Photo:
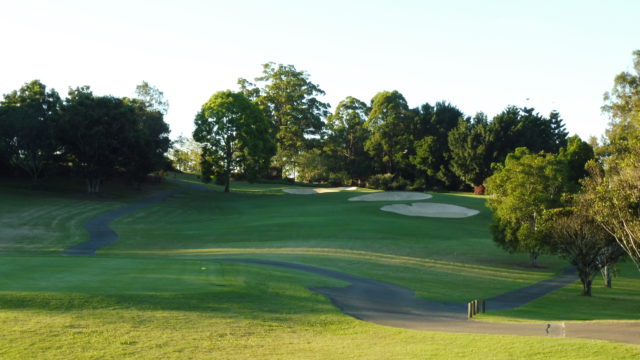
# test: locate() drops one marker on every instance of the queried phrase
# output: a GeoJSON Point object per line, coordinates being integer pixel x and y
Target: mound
{"type": "Point", "coordinates": [318, 190]}
{"type": "Point", "coordinates": [438, 210]}
{"type": "Point", "coordinates": [391, 196]}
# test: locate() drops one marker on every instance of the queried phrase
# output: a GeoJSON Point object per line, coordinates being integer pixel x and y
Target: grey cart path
{"type": "Point", "coordinates": [101, 234]}
{"type": "Point", "coordinates": [392, 305]}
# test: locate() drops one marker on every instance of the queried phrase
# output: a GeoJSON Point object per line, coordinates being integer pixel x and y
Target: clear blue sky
{"type": "Point", "coordinates": [478, 55]}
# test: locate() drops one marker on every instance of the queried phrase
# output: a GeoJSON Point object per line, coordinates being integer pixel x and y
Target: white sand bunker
{"type": "Point", "coordinates": [318, 190]}
{"type": "Point", "coordinates": [391, 196]}
{"type": "Point", "coordinates": [438, 210]}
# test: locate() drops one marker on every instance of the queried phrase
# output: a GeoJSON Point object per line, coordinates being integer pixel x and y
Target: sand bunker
{"type": "Point", "coordinates": [318, 190]}
{"type": "Point", "coordinates": [430, 210]}
{"type": "Point", "coordinates": [391, 196]}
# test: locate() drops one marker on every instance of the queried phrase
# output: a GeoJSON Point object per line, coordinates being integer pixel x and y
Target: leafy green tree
{"type": "Point", "coordinates": [347, 135]}
{"type": "Point", "coordinates": [390, 126]}
{"type": "Point", "coordinates": [514, 127]}
{"type": "Point", "coordinates": [558, 132]}
{"type": "Point", "coordinates": [577, 237]}
{"type": "Point", "coordinates": [91, 131]}
{"type": "Point", "coordinates": [314, 166]}
{"type": "Point", "coordinates": [235, 135]}
{"type": "Point", "coordinates": [522, 190]}
{"type": "Point", "coordinates": [146, 143]}
{"type": "Point", "coordinates": [432, 144]}
{"type": "Point", "coordinates": [185, 155]}
{"type": "Point", "coordinates": [290, 100]}
{"type": "Point", "coordinates": [577, 153]}
{"type": "Point", "coordinates": [30, 116]}
{"type": "Point", "coordinates": [152, 97]}
{"type": "Point", "coordinates": [469, 144]}
{"type": "Point", "coordinates": [613, 191]}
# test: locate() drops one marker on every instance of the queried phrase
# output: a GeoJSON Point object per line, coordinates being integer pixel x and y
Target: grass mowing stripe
{"type": "Point", "coordinates": [172, 309]}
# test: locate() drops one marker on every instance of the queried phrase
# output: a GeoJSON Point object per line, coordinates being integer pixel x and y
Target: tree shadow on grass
{"type": "Point", "coordinates": [226, 302]}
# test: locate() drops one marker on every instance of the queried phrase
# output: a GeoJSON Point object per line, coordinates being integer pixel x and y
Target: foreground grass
{"type": "Point", "coordinates": [111, 308]}
{"type": "Point", "coordinates": [160, 293]}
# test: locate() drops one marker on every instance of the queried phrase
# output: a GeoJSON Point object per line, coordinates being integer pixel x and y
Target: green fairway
{"type": "Point", "coordinates": [52, 219]}
{"type": "Point", "coordinates": [159, 292]}
{"type": "Point", "coordinates": [110, 308]}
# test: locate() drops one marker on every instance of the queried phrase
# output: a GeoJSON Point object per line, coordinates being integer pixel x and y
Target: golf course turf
{"type": "Point", "coordinates": [156, 293]}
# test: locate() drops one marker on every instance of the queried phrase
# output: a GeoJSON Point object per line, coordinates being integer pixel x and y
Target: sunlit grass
{"type": "Point", "coordinates": [112, 308]}
{"type": "Point", "coordinates": [160, 292]}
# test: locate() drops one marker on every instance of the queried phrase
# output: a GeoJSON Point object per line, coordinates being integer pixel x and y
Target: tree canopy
{"type": "Point", "coordinates": [96, 136]}
{"type": "Point", "coordinates": [613, 190]}
{"type": "Point", "coordinates": [289, 99]}
{"type": "Point", "coordinates": [236, 135]}
{"type": "Point", "coordinates": [522, 190]}
{"type": "Point", "coordinates": [29, 119]}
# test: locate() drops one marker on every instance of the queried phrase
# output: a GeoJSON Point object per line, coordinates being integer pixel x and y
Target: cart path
{"type": "Point", "coordinates": [101, 234]}
{"type": "Point", "coordinates": [392, 305]}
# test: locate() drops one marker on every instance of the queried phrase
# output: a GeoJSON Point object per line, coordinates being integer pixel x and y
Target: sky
{"type": "Point", "coordinates": [477, 55]}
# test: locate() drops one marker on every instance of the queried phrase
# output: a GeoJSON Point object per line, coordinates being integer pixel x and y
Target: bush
{"type": "Point", "coordinates": [418, 185]}
{"type": "Point", "coordinates": [399, 184]}
{"type": "Point", "coordinates": [338, 178]}
{"type": "Point", "coordinates": [380, 181]}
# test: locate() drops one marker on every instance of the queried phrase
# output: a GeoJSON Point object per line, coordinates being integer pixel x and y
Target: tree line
{"type": "Point", "coordinates": [581, 203]}
{"type": "Point", "coordinates": [382, 144]}
{"type": "Point", "coordinates": [83, 135]}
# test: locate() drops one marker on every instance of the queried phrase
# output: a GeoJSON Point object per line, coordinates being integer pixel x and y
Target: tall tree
{"type": "Point", "coordinates": [185, 155]}
{"type": "Point", "coordinates": [522, 190]}
{"type": "Point", "coordinates": [152, 97]}
{"type": "Point", "coordinates": [577, 153]}
{"type": "Point", "coordinates": [577, 237]}
{"type": "Point", "coordinates": [235, 134]}
{"type": "Point", "coordinates": [390, 125]}
{"type": "Point", "coordinates": [346, 138]}
{"type": "Point", "coordinates": [523, 127]}
{"type": "Point", "coordinates": [614, 190]}
{"type": "Point", "coordinates": [469, 145]}
{"type": "Point", "coordinates": [146, 142]}
{"type": "Point", "coordinates": [290, 100]}
{"type": "Point", "coordinates": [92, 129]}
{"type": "Point", "coordinates": [432, 153]}
{"type": "Point", "coordinates": [30, 117]}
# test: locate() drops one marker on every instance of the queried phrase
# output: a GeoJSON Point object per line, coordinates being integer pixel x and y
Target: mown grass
{"type": "Point", "coordinates": [441, 259]}
{"type": "Point", "coordinates": [113, 308]}
{"type": "Point", "coordinates": [50, 218]}
{"type": "Point", "coordinates": [160, 293]}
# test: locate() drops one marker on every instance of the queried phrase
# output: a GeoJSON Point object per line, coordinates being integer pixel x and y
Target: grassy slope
{"type": "Point", "coordinates": [171, 307]}
{"type": "Point", "coordinates": [51, 219]}
{"type": "Point", "coordinates": [112, 308]}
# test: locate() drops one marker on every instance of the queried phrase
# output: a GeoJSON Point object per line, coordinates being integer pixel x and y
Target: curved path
{"type": "Point", "coordinates": [101, 235]}
{"type": "Point", "coordinates": [392, 305]}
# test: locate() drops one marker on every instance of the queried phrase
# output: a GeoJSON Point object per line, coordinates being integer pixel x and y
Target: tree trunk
{"type": "Point", "coordinates": [586, 281]}
{"type": "Point", "coordinates": [93, 186]}
{"type": "Point", "coordinates": [227, 166]}
{"type": "Point", "coordinates": [607, 276]}
{"type": "Point", "coordinates": [534, 259]}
